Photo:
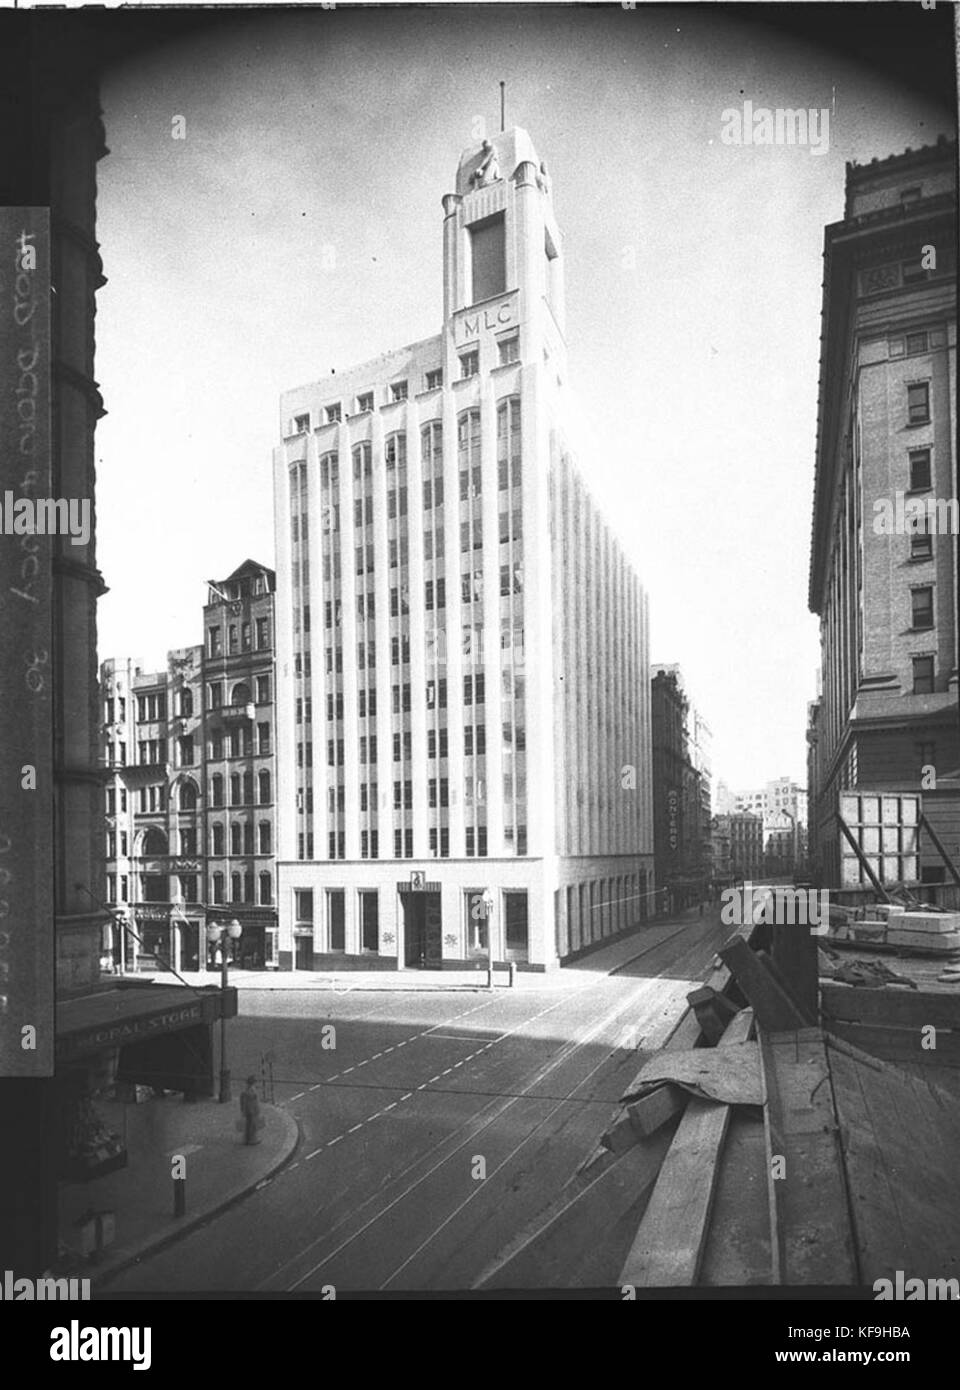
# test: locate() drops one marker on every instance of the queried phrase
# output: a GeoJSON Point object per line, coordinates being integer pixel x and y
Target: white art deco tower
{"type": "Point", "coordinates": [462, 667]}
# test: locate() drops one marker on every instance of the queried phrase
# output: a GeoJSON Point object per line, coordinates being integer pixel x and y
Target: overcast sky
{"type": "Point", "coordinates": [298, 226]}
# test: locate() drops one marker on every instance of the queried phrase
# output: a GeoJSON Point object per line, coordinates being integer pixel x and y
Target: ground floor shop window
{"type": "Point", "coordinates": [515, 925]}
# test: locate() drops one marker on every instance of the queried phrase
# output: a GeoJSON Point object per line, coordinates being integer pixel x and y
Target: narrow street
{"type": "Point", "coordinates": [438, 1126]}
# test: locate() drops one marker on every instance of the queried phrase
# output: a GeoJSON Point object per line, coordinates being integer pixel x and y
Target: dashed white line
{"type": "Point", "coordinates": [363, 1063]}
{"type": "Point", "coordinates": [348, 1071]}
{"type": "Point", "coordinates": [298, 1095]}
{"type": "Point", "coordinates": [391, 1106]}
{"type": "Point", "coordinates": [331, 1142]}
{"type": "Point", "coordinates": [407, 1096]}
{"type": "Point", "coordinates": [354, 1128]}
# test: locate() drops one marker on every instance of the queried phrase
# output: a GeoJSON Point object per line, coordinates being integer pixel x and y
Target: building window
{"type": "Point", "coordinates": [508, 349]}
{"type": "Point", "coordinates": [369, 920]}
{"type": "Point", "coordinates": [398, 391]}
{"type": "Point", "coordinates": [216, 790]}
{"type": "Point", "coordinates": [469, 364]}
{"type": "Point", "coordinates": [922, 607]}
{"type": "Point", "coordinates": [365, 402]}
{"type": "Point", "coordinates": [218, 888]}
{"type": "Point", "coordinates": [334, 414]}
{"type": "Point", "coordinates": [923, 675]}
{"type": "Point", "coordinates": [916, 342]}
{"type": "Point", "coordinates": [263, 690]}
{"type": "Point", "coordinates": [435, 379]}
{"type": "Point", "coordinates": [301, 423]}
{"type": "Point", "coordinates": [515, 925]}
{"type": "Point", "coordinates": [920, 477]}
{"type": "Point", "coordinates": [488, 258]}
{"type": "Point", "coordinates": [263, 780]}
{"type": "Point", "coordinates": [217, 843]}
{"type": "Point", "coordinates": [921, 545]}
{"type": "Point", "coordinates": [186, 750]}
{"type": "Point", "coordinates": [918, 403]}
{"type": "Point", "coordinates": [910, 195]}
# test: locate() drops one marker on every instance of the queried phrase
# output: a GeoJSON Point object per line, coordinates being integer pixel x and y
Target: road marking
{"type": "Point", "coordinates": [473, 1129]}
{"type": "Point", "coordinates": [375, 1056]}
{"type": "Point", "coordinates": [363, 1063]}
{"type": "Point", "coordinates": [447, 1072]}
{"type": "Point", "coordinates": [297, 1096]}
{"type": "Point", "coordinates": [353, 1128]}
{"type": "Point", "coordinates": [318, 1085]}
{"type": "Point", "coordinates": [348, 1071]}
{"type": "Point", "coordinates": [185, 1149]}
{"type": "Point", "coordinates": [331, 1142]}
{"type": "Point", "coordinates": [407, 1096]}
{"type": "Point", "coordinates": [388, 1107]}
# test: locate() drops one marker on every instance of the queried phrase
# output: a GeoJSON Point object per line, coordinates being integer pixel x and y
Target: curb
{"type": "Point", "coordinates": [102, 1274]}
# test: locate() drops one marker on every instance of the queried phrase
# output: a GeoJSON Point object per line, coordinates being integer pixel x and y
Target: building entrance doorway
{"type": "Point", "coordinates": [304, 953]}
{"type": "Point", "coordinates": [423, 949]}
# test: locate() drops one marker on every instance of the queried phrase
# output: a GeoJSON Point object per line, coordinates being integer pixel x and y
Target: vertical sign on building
{"type": "Point", "coordinates": [26, 653]}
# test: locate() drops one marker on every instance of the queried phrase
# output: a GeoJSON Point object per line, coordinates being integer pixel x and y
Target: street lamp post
{"type": "Point", "coordinates": [222, 933]}
{"type": "Point", "coordinates": [488, 914]}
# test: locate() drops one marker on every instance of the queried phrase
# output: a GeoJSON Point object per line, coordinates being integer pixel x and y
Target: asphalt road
{"type": "Point", "coordinates": [435, 1129]}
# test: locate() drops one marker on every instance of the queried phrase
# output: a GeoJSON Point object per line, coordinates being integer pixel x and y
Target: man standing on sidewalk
{"type": "Point", "coordinates": [250, 1110]}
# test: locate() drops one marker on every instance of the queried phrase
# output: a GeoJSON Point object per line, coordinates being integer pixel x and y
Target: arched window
{"type": "Point", "coordinates": [235, 888]}
{"type": "Point", "coordinates": [235, 789]}
{"type": "Point", "coordinates": [154, 842]}
{"type": "Point", "coordinates": [216, 789]}
{"type": "Point", "coordinates": [248, 789]}
{"type": "Point", "coordinates": [241, 694]}
{"type": "Point", "coordinates": [248, 888]}
{"type": "Point", "coordinates": [188, 796]}
{"type": "Point", "coordinates": [218, 887]}
{"type": "Point", "coordinates": [265, 889]}
{"type": "Point", "coordinates": [264, 779]}
{"type": "Point", "coordinates": [186, 702]}
{"type": "Point", "coordinates": [265, 837]}
{"type": "Point", "coordinates": [217, 842]}
{"type": "Point", "coordinates": [236, 842]}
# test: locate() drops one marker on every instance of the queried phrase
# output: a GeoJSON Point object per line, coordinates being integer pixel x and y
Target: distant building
{"type": "Point", "coordinates": [681, 789]}
{"type": "Point", "coordinates": [885, 589]}
{"type": "Point", "coordinates": [464, 628]}
{"type": "Point", "coordinates": [743, 831]}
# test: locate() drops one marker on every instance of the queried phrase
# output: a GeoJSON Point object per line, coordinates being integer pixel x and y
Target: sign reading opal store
{"type": "Point", "coordinates": [488, 319]}
{"type": "Point", "coordinates": [120, 1031]}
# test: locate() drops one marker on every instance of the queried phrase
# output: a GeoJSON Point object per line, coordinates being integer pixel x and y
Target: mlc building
{"type": "Point", "coordinates": [463, 706]}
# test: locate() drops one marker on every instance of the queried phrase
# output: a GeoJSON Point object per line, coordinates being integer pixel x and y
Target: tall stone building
{"type": "Point", "coordinates": [463, 686]}
{"type": "Point", "coordinates": [885, 587]}
{"type": "Point", "coordinates": [189, 753]}
{"type": "Point", "coordinates": [681, 790]}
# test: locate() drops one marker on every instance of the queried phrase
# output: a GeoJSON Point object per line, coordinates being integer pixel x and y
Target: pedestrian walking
{"type": "Point", "coordinates": [252, 1121]}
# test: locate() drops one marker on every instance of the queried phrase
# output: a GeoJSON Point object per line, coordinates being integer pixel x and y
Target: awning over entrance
{"type": "Point", "coordinates": [121, 1014]}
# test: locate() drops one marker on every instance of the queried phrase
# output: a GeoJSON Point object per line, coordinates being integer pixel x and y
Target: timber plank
{"type": "Point", "coordinates": [899, 1044]}
{"type": "Point", "coordinates": [668, 1247]}
{"type": "Point", "coordinates": [890, 1006]}
{"type": "Point", "coordinates": [814, 1242]}
{"type": "Point", "coordinates": [775, 1009]}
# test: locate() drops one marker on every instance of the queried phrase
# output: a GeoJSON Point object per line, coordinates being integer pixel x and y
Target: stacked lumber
{"type": "Point", "coordinates": [755, 1147]}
